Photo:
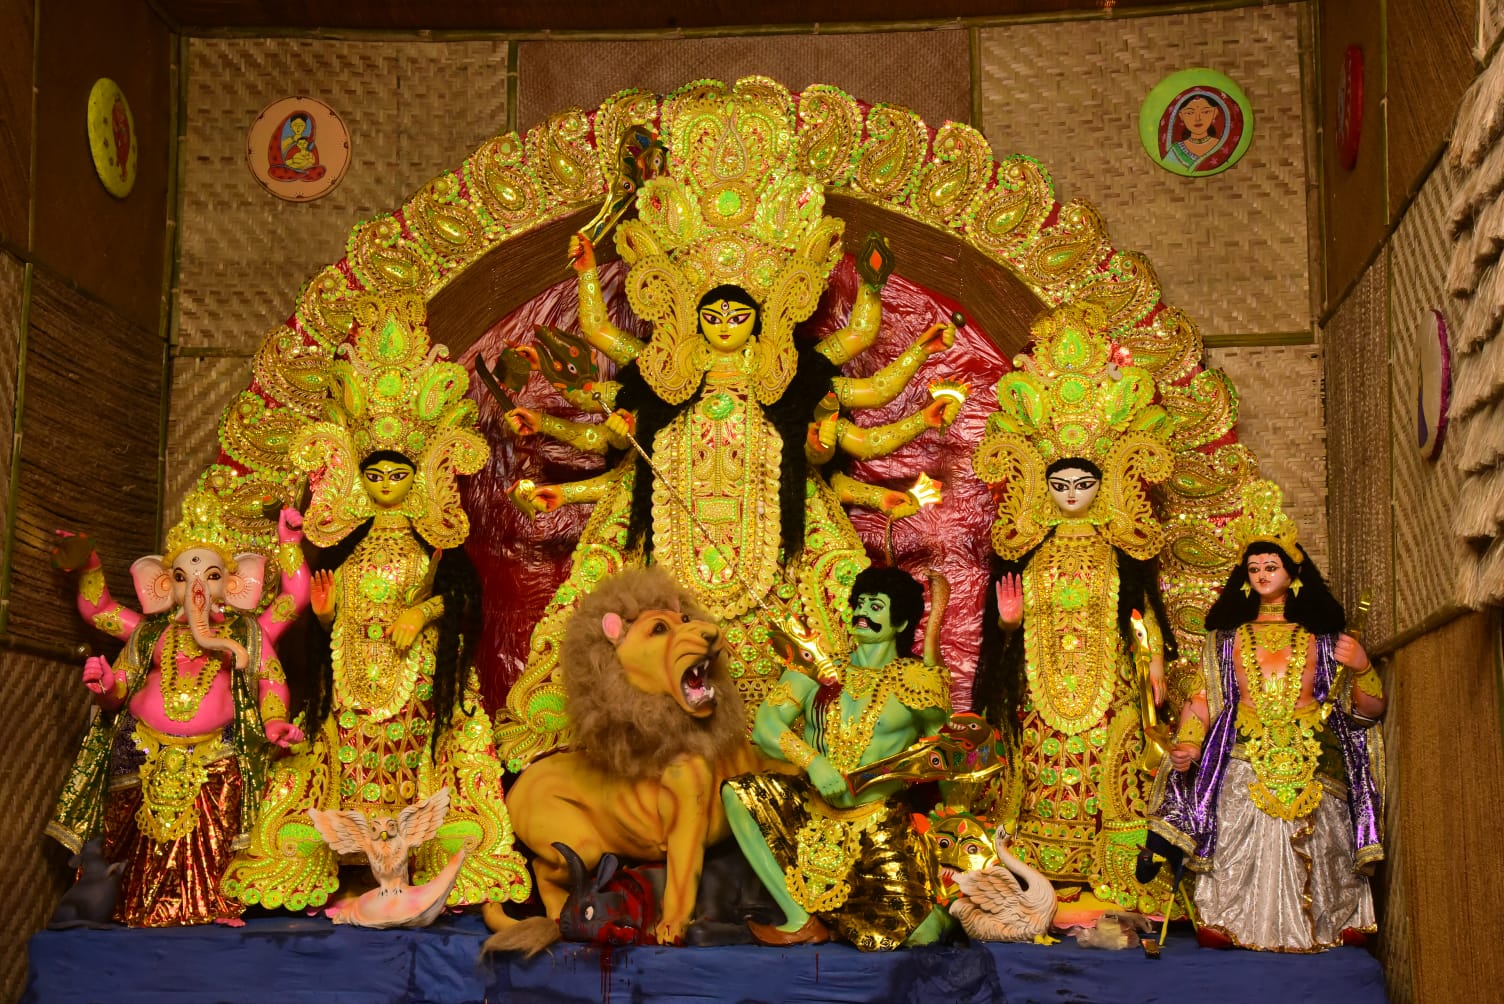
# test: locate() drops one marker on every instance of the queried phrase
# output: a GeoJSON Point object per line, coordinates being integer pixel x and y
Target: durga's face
{"type": "Point", "coordinates": [727, 324]}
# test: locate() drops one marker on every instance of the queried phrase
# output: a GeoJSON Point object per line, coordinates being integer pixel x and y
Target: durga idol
{"type": "Point", "coordinates": [730, 250]}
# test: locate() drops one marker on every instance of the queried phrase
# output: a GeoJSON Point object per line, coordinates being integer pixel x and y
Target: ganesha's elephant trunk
{"type": "Point", "coordinates": [197, 610]}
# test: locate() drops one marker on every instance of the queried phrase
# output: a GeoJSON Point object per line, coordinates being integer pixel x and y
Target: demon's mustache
{"type": "Point", "coordinates": [866, 622]}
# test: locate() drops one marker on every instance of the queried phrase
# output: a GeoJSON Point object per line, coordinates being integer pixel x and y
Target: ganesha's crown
{"type": "Point", "coordinates": [203, 525]}
{"type": "Point", "coordinates": [391, 391]}
{"type": "Point", "coordinates": [1263, 520]}
{"type": "Point", "coordinates": [732, 210]}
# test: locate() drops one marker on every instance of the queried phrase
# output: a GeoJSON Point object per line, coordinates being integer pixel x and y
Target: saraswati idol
{"type": "Point", "coordinates": [397, 713]}
{"type": "Point", "coordinates": [720, 420]}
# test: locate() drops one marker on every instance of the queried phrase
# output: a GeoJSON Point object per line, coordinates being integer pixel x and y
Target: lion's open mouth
{"type": "Point", "coordinates": [698, 691]}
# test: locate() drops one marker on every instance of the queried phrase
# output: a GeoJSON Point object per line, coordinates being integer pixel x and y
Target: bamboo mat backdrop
{"type": "Point", "coordinates": [1231, 249]}
{"type": "Point", "coordinates": [927, 71]}
{"type": "Point", "coordinates": [12, 290]}
{"type": "Point", "coordinates": [1357, 428]}
{"type": "Point", "coordinates": [1425, 494]}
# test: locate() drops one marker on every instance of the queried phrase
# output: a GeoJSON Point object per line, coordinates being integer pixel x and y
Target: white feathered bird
{"type": "Point", "coordinates": [386, 843]}
{"type": "Point", "coordinates": [1008, 901]}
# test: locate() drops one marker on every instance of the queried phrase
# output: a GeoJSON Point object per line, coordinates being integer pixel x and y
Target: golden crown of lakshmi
{"type": "Point", "coordinates": [391, 391]}
{"type": "Point", "coordinates": [1076, 396]}
{"type": "Point", "coordinates": [1263, 521]}
{"type": "Point", "coordinates": [732, 210]}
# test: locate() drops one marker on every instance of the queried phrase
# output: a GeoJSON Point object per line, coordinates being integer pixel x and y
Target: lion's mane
{"type": "Point", "coordinates": [618, 727]}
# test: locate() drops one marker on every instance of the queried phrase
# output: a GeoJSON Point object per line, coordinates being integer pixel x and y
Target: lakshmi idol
{"type": "Point", "coordinates": [396, 713]}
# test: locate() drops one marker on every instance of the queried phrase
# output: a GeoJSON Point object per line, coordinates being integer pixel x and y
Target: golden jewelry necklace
{"type": "Point", "coordinates": [181, 694]}
{"type": "Point", "coordinates": [846, 740]}
{"type": "Point", "coordinates": [1282, 746]}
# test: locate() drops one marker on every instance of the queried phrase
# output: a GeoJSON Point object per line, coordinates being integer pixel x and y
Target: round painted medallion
{"type": "Point", "coordinates": [1433, 383]}
{"type": "Point", "coordinates": [1196, 122]}
{"type": "Point", "coordinates": [112, 137]}
{"type": "Point", "coordinates": [298, 149]}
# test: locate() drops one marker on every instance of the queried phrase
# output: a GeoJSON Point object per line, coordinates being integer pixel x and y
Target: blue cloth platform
{"type": "Point", "coordinates": [300, 960]}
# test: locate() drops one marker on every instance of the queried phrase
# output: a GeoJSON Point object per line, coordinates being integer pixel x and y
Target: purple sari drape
{"type": "Point", "coordinates": [1189, 809]}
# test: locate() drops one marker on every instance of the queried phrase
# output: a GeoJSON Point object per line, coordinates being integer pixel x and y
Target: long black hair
{"type": "Point", "coordinates": [1313, 608]}
{"type": "Point", "coordinates": [790, 416]}
{"type": "Point", "coordinates": [455, 580]}
{"type": "Point", "coordinates": [1000, 687]}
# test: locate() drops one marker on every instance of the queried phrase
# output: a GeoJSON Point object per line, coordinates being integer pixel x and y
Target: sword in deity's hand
{"type": "Point", "coordinates": [1340, 677]}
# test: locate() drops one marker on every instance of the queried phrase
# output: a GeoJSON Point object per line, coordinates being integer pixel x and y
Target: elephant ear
{"type": "Point", "coordinates": [243, 589]}
{"type": "Point", "coordinates": [153, 581]}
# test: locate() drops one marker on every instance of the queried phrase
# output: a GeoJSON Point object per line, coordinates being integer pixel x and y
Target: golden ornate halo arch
{"type": "Point", "coordinates": [882, 157]}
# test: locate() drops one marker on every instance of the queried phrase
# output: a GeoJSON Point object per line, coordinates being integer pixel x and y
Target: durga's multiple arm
{"type": "Point", "coordinates": [595, 321]}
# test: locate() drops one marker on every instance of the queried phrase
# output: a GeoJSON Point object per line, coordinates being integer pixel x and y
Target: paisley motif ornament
{"type": "Point", "coordinates": [1068, 253]}
{"type": "Point", "coordinates": [888, 164]}
{"type": "Point", "coordinates": [256, 435]}
{"type": "Point", "coordinates": [1007, 220]}
{"type": "Point", "coordinates": [1209, 485]}
{"type": "Point", "coordinates": [622, 110]}
{"type": "Point", "coordinates": [950, 182]}
{"type": "Point", "coordinates": [1169, 346]}
{"type": "Point", "coordinates": [292, 372]}
{"type": "Point", "coordinates": [324, 309]}
{"type": "Point", "coordinates": [505, 184]}
{"type": "Point", "coordinates": [1205, 409]}
{"type": "Point", "coordinates": [385, 259]}
{"type": "Point", "coordinates": [561, 155]}
{"type": "Point", "coordinates": [446, 224]}
{"type": "Point", "coordinates": [1127, 290]}
{"type": "Point", "coordinates": [830, 126]}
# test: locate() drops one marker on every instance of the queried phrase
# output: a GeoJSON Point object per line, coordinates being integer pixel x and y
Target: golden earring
{"type": "Point", "coordinates": [1295, 588]}
{"type": "Point", "coordinates": [1247, 589]}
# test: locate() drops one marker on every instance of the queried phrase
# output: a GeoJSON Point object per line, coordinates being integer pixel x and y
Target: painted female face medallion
{"type": "Point", "coordinates": [1196, 122]}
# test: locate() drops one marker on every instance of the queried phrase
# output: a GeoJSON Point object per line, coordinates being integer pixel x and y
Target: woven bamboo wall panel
{"type": "Point", "coordinates": [1359, 519]}
{"type": "Point", "coordinates": [413, 109]}
{"type": "Point", "coordinates": [1429, 65]}
{"type": "Point", "coordinates": [1425, 494]}
{"type": "Point", "coordinates": [1280, 419]}
{"type": "Point", "coordinates": [926, 71]}
{"type": "Point", "coordinates": [16, 27]}
{"type": "Point", "coordinates": [44, 716]}
{"type": "Point", "coordinates": [111, 247]}
{"type": "Point", "coordinates": [1353, 200]}
{"type": "Point", "coordinates": [12, 293]}
{"type": "Point", "coordinates": [89, 443]}
{"type": "Point", "coordinates": [201, 390]}
{"type": "Point", "coordinates": [1231, 250]}
{"type": "Point", "coordinates": [1444, 712]}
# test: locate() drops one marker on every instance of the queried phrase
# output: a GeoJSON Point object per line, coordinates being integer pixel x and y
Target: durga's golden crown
{"type": "Point", "coordinates": [732, 210]}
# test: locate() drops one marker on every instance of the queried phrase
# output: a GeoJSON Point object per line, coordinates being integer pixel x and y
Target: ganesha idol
{"type": "Point", "coordinates": [172, 766]}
